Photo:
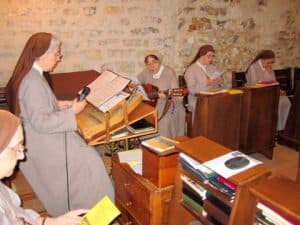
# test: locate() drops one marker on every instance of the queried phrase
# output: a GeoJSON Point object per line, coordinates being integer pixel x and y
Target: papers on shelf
{"type": "Point", "coordinates": [234, 91]}
{"type": "Point", "coordinates": [195, 164]}
{"type": "Point", "coordinates": [140, 126]}
{"type": "Point", "coordinates": [213, 91]}
{"type": "Point", "coordinates": [120, 133]}
{"type": "Point", "coordinates": [263, 84]}
{"type": "Point", "coordinates": [218, 164]}
{"type": "Point", "coordinates": [134, 158]}
{"type": "Point", "coordinates": [103, 213]}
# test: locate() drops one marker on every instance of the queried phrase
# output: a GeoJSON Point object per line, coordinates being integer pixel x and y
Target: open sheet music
{"type": "Point", "coordinates": [105, 87]}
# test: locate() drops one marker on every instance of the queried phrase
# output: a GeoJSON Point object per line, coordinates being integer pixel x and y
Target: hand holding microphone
{"type": "Point", "coordinates": [79, 103]}
{"type": "Point", "coordinates": [83, 94]}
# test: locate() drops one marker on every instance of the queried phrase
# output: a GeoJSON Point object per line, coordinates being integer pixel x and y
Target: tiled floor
{"type": "Point", "coordinates": [284, 162]}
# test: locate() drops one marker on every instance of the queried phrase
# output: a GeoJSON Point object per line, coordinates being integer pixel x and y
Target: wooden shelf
{"type": "Point", "coordinates": [95, 131]}
{"type": "Point", "coordinates": [279, 193]}
{"type": "Point", "coordinates": [202, 150]}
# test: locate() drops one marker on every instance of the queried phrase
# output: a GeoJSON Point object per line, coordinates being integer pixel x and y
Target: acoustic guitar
{"type": "Point", "coordinates": [152, 93]}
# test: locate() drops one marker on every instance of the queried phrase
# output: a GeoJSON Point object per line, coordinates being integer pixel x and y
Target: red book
{"type": "Point", "coordinates": [227, 183]}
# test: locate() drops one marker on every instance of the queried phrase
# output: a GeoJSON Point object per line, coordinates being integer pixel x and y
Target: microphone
{"type": "Point", "coordinates": [83, 94]}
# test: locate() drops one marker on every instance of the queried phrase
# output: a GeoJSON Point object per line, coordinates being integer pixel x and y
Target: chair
{"type": "Point", "coordinates": [284, 77]}
{"type": "Point", "coordinates": [238, 79]}
{"type": "Point", "coordinates": [188, 114]}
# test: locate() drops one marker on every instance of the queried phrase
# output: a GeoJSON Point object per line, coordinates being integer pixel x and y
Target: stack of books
{"type": "Point", "coordinates": [196, 168]}
{"type": "Point", "coordinates": [160, 145]}
{"type": "Point", "coordinates": [270, 216]}
{"type": "Point", "coordinates": [193, 194]}
{"type": "Point", "coordinates": [203, 173]}
{"type": "Point", "coordinates": [217, 211]}
{"type": "Point", "coordinates": [224, 186]}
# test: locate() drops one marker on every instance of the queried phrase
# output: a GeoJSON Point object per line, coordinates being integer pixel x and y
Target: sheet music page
{"type": "Point", "coordinates": [106, 86]}
{"type": "Point", "coordinates": [113, 101]}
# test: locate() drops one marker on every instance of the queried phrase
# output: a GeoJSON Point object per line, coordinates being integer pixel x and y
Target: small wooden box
{"type": "Point", "coordinates": [160, 170]}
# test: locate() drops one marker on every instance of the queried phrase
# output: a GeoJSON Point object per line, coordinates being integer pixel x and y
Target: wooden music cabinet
{"type": "Point", "coordinates": [139, 200]}
{"type": "Point", "coordinates": [280, 194]}
{"type": "Point", "coordinates": [259, 120]}
{"type": "Point", "coordinates": [217, 117]}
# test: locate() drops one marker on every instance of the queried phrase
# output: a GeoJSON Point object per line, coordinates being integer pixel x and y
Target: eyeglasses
{"type": "Point", "coordinates": [152, 62]}
{"type": "Point", "coordinates": [59, 56]}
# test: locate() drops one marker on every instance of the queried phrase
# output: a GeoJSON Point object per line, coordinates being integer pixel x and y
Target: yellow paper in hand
{"type": "Point", "coordinates": [103, 213]}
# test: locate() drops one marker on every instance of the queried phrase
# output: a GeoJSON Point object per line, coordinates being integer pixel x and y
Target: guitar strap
{"type": "Point", "coordinates": [166, 107]}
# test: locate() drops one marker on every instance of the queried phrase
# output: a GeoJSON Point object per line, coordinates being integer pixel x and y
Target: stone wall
{"type": "Point", "coordinates": [116, 34]}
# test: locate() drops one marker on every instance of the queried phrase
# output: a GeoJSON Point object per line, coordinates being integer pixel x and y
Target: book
{"type": "Point", "coordinates": [103, 213]}
{"type": "Point", "coordinates": [222, 188]}
{"type": "Point", "coordinates": [218, 203]}
{"type": "Point", "coordinates": [194, 185]}
{"type": "Point", "coordinates": [160, 145]}
{"type": "Point", "coordinates": [227, 183]}
{"type": "Point", "coordinates": [105, 86]}
{"type": "Point", "coordinates": [262, 219]}
{"type": "Point", "coordinates": [140, 126]}
{"type": "Point", "coordinates": [195, 166]}
{"type": "Point", "coordinates": [216, 212]}
{"type": "Point", "coordinates": [119, 133]}
{"type": "Point", "coordinates": [192, 203]}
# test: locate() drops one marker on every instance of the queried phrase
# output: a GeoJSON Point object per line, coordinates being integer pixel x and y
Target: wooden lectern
{"type": "Point", "coordinates": [96, 127]}
{"type": "Point", "coordinates": [217, 117]}
{"type": "Point", "coordinates": [291, 133]}
{"type": "Point", "coordinates": [259, 119]}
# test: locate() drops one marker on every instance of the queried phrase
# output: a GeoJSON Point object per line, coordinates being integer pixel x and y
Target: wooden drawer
{"type": "Point", "coordinates": [125, 218]}
{"type": "Point", "coordinates": [134, 196]}
{"type": "Point", "coordinates": [140, 201]}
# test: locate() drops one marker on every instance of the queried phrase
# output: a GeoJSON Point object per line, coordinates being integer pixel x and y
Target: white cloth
{"type": "Point", "coordinates": [157, 75]}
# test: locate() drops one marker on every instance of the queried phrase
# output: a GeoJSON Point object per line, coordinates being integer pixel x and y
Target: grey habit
{"type": "Point", "coordinates": [173, 123]}
{"type": "Point", "coordinates": [59, 165]}
{"type": "Point", "coordinates": [196, 78]}
{"type": "Point", "coordinates": [257, 73]}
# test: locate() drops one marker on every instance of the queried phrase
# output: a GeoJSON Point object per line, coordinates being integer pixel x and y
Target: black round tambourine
{"type": "Point", "coordinates": [237, 162]}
